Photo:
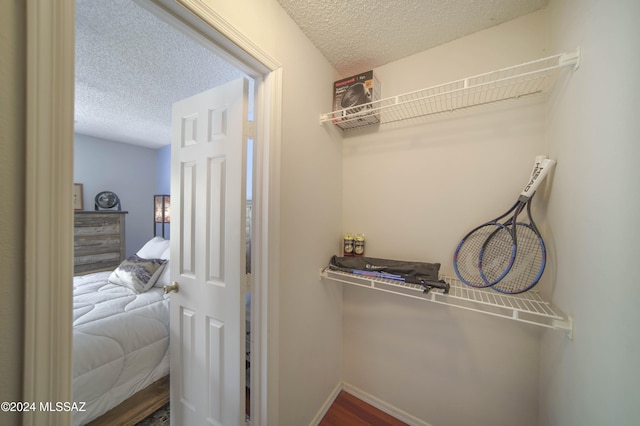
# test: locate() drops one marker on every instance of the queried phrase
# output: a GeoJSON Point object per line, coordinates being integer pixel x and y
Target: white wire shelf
{"type": "Point", "coordinates": [526, 307]}
{"type": "Point", "coordinates": [507, 83]}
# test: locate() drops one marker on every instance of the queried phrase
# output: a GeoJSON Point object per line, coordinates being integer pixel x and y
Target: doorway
{"type": "Point", "coordinates": [51, 42]}
{"type": "Point", "coordinates": [131, 68]}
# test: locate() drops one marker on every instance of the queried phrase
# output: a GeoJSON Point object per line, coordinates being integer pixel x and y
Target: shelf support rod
{"type": "Point", "coordinates": [566, 325]}
{"type": "Point", "coordinates": [572, 58]}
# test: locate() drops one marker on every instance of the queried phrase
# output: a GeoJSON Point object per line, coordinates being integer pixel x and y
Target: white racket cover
{"type": "Point", "coordinates": [540, 170]}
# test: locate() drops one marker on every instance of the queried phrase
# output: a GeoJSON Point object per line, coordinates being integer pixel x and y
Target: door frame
{"type": "Point", "coordinates": [47, 374]}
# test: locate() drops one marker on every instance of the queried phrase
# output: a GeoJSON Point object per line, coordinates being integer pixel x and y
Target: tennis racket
{"type": "Point", "coordinates": [486, 254]}
{"type": "Point", "coordinates": [493, 264]}
{"type": "Point", "coordinates": [530, 260]}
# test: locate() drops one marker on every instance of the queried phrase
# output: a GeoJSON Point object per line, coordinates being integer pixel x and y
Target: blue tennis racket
{"type": "Point", "coordinates": [530, 260]}
{"type": "Point", "coordinates": [488, 252]}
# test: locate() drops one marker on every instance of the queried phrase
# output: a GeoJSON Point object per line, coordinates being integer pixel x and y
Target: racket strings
{"type": "Point", "coordinates": [496, 257]}
{"type": "Point", "coordinates": [528, 263]}
{"type": "Point", "coordinates": [470, 262]}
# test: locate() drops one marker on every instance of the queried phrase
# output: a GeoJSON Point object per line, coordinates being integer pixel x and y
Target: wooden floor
{"type": "Point", "coordinates": [136, 408]}
{"type": "Point", "coordinates": [347, 410]}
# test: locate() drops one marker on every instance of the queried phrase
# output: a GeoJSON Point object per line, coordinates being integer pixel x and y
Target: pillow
{"type": "Point", "coordinates": [165, 277]}
{"type": "Point", "coordinates": [137, 273]}
{"type": "Point", "coordinates": [153, 248]}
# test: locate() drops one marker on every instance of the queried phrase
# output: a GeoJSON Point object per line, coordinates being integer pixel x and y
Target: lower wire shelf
{"type": "Point", "coordinates": [526, 307]}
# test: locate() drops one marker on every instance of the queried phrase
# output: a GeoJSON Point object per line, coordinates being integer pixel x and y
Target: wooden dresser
{"type": "Point", "coordinates": [99, 241]}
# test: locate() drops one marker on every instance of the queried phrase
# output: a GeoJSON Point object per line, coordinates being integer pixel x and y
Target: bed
{"type": "Point", "coordinates": [120, 331]}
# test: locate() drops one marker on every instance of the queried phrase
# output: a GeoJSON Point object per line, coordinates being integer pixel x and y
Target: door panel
{"type": "Point", "coordinates": [187, 348]}
{"type": "Point", "coordinates": [187, 229]}
{"type": "Point", "coordinates": [215, 366]}
{"type": "Point", "coordinates": [215, 263]}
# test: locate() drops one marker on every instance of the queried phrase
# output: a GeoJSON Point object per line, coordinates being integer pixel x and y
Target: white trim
{"type": "Point", "coordinates": [269, 240]}
{"type": "Point", "coordinates": [231, 39]}
{"type": "Point", "coordinates": [49, 217]}
{"type": "Point", "coordinates": [369, 399]}
{"type": "Point", "coordinates": [327, 404]}
{"type": "Point", "coordinates": [383, 406]}
{"type": "Point", "coordinates": [197, 19]}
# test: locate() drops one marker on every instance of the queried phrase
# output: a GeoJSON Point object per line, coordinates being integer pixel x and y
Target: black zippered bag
{"type": "Point", "coordinates": [423, 273]}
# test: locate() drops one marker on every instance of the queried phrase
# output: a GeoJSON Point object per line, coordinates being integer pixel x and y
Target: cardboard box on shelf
{"type": "Point", "coordinates": [351, 95]}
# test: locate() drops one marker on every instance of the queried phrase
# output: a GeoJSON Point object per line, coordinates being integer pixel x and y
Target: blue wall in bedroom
{"type": "Point", "coordinates": [163, 185]}
{"type": "Point", "coordinates": [130, 171]}
{"type": "Point", "coordinates": [163, 181]}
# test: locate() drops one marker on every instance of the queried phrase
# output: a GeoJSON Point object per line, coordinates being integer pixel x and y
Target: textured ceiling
{"type": "Point", "coordinates": [359, 35]}
{"type": "Point", "coordinates": [131, 66]}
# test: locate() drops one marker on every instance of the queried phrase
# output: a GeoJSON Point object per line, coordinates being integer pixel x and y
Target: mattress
{"type": "Point", "coordinates": [120, 342]}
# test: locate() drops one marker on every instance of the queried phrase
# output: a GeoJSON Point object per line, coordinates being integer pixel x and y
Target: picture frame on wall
{"type": "Point", "coordinates": [77, 196]}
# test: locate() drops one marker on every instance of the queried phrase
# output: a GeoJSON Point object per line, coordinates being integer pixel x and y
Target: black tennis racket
{"type": "Point", "coordinates": [486, 254]}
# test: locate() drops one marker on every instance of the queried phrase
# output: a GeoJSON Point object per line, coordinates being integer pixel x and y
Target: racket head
{"type": "Point", "coordinates": [529, 262]}
{"type": "Point", "coordinates": [470, 251]}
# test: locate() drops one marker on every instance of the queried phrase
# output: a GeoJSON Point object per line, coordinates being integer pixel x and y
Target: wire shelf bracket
{"type": "Point", "coordinates": [526, 307]}
{"type": "Point", "coordinates": [512, 82]}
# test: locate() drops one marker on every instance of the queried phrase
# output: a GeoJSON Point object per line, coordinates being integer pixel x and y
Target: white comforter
{"type": "Point", "coordinates": [120, 342]}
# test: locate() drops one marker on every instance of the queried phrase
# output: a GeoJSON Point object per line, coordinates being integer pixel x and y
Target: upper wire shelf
{"type": "Point", "coordinates": [526, 307]}
{"type": "Point", "coordinates": [507, 83]}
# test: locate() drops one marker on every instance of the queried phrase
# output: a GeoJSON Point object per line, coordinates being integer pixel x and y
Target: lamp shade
{"type": "Point", "coordinates": [161, 211]}
{"type": "Point", "coordinates": [162, 208]}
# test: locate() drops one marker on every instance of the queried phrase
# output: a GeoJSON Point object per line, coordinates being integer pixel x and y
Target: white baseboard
{"type": "Point", "coordinates": [383, 406]}
{"type": "Point", "coordinates": [327, 404]}
{"type": "Point", "coordinates": [369, 399]}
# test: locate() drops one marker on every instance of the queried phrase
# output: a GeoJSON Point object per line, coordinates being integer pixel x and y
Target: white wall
{"type": "Point", "coordinates": [415, 190]}
{"type": "Point", "coordinates": [594, 132]}
{"type": "Point", "coordinates": [127, 170]}
{"type": "Point", "coordinates": [310, 311]}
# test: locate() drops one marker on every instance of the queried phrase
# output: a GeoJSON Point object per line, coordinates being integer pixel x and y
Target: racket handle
{"type": "Point", "coordinates": [539, 159]}
{"type": "Point", "coordinates": [540, 171]}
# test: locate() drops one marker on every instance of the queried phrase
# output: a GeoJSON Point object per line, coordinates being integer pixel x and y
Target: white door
{"type": "Point", "coordinates": [208, 180]}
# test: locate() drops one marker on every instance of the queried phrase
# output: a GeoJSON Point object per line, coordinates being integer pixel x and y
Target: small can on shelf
{"type": "Point", "coordinates": [358, 245]}
{"type": "Point", "coordinates": [348, 245]}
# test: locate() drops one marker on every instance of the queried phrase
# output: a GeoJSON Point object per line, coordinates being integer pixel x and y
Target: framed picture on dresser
{"type": "Point", "coordinates": [77, 196]}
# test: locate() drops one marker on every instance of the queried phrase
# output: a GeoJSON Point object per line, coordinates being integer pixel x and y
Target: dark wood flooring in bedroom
{"type": "Point", "coordinates": [158, 418]}
{"type": "Point", "coordinates": [161, 417]}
